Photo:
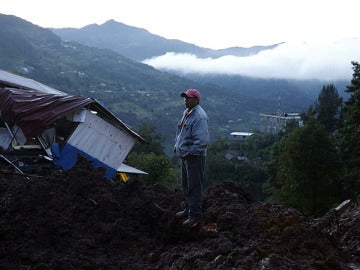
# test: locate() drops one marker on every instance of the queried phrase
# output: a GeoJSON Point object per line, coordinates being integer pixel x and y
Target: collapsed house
{"type": "Point", "coordinates": [42, 127]}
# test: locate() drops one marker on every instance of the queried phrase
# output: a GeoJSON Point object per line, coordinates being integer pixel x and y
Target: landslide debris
{"type": "Point", "coordinates": [77, 219]}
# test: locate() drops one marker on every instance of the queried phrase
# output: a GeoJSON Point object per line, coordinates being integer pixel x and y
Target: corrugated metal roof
{"type": "Point", "coordinates": [33, 106]}
{"type": "Point", "coordinates": [12, 80]}
{"type": "Point", "coordinates": [34, 111]}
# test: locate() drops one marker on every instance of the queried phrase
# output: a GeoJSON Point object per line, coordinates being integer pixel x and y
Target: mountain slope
{"type": "Point", "coordinates": [139, 44]}
{"type": "Point", "coordinates": [133, 91]}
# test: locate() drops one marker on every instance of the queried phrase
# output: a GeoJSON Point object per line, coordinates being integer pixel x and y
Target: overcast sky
{"type": "Point", "coordinates": [322, 28]}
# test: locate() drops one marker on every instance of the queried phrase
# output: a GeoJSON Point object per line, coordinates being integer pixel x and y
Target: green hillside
{"type": "Point", "coordinates": [133, 91]}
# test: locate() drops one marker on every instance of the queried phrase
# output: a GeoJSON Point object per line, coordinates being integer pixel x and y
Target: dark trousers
{"type": "Point", "coordinates": [192, 176]}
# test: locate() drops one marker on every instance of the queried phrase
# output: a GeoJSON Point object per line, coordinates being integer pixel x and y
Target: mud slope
{"type": "Point", "coordinates": [79, 220]}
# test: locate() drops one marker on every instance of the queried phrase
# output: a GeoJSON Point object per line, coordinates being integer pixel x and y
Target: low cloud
{"type": "Point", "coordinates": [329, 62]}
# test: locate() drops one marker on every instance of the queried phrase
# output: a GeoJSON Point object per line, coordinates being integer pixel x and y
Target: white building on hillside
{"type": "Point", "coordinates": [241, 135]}
{"type": "Point", "coordinates": [273, 123]}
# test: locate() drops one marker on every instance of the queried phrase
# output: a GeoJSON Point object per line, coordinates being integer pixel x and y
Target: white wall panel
{"type": "Point", "coordinates": [102, 140]}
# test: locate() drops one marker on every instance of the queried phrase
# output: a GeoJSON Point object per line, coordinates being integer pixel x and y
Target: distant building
{"type": "Point", "coordinates": [273, 123]}
{"type": "Point", "coordinates": [241, 135]}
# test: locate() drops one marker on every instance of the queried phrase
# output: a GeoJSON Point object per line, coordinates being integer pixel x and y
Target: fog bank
{"type": "Point", "coordinates": [321, 61]}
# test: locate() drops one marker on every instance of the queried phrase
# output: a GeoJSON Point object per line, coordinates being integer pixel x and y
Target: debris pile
{"type": "Point", "coordinates": [78, 219]}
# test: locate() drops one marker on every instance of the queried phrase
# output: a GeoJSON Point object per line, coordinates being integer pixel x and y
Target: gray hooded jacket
{"type": "Point", "coordinates": [193, 137]}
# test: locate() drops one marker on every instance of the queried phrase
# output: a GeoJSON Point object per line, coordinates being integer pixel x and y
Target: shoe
{"type": "Point", "coordinates": [192, 222]}
{"type": "Point", "coordinates": [181, 214]}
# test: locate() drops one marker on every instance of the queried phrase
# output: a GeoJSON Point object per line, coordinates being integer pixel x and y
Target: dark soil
{"type": "Point", "coordinates": [79, 220]}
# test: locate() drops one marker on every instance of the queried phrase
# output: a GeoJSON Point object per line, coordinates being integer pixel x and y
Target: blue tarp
{"type": "Point", "coordinates": [67, 157]}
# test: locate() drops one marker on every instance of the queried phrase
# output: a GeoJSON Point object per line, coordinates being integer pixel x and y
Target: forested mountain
{"type": "Point", "coordinates": [133, 91]}
{"type": "Point", "coordinates": [139, 44]}
{"type": "Point", "coordinates": [294, 93]}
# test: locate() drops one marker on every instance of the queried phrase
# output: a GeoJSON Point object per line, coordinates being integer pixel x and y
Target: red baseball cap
{"type": "Point", "coordinates": [191, 93]}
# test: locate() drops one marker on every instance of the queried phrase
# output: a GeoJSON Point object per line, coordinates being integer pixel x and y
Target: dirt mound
{"type": "Point", "coordinates": [79, 220]}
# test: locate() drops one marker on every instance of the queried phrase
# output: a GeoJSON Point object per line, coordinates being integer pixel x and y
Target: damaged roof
{"type": "Point", "coordinates": [33, 106]}
{"type": "Point", "coordinates": [34, 111]}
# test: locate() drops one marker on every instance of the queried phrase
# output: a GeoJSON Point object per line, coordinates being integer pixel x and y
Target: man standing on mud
{"type": "Point", "coordinates": [192, 138]}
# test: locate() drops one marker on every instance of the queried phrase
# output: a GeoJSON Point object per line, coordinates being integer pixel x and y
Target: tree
{"type": "Point", "coordinates": [349, 135]}
{"type": "Point", "coordinates": [304, 172]}
{"type": "Point", "coordinates": [151, 158]}
{"type": "Point", "coordinates": [158, 167]}
{"type": "Point", "coordinates": [327, 108]}
{"type": "Point", "coordinates": [147, 130]}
